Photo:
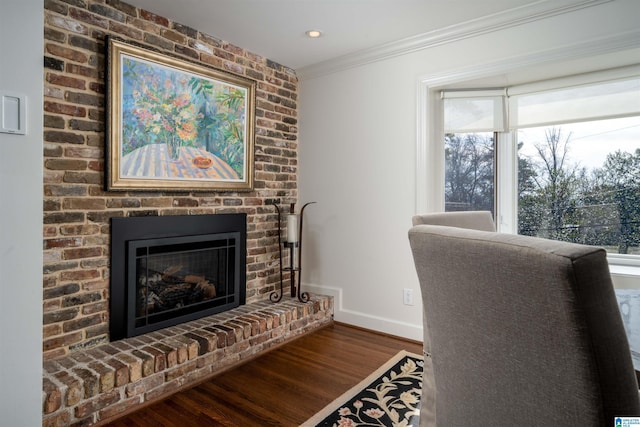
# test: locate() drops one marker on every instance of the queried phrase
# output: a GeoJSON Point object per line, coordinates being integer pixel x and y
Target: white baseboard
{"type": "Point", "coordinates": [365, 320]}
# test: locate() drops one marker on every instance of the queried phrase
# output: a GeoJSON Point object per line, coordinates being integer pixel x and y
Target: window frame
{"type": "Point", "coordinates": [430, 167]}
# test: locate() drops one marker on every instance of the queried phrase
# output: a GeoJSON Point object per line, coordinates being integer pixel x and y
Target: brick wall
{"type": "Point", "coordinates": [77, 210]}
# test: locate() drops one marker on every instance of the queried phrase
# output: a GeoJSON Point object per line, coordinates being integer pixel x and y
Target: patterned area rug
{"type": "Point", "coordinates": [388, 397]}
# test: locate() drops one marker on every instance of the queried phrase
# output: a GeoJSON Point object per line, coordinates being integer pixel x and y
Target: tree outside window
{"type": "Point", "coordinates": [469, 172]}
{"type": "Point", "coordinates": [576, 182]}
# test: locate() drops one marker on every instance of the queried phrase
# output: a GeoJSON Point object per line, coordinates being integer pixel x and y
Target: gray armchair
{"type": "Point", "coordinates": [521, 331]}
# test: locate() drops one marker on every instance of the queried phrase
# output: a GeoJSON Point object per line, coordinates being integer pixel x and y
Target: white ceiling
{"type": "Point", "coordinates": [275, 29]}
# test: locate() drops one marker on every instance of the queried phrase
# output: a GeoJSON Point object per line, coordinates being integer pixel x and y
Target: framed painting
{"type": "Point", "coordinates": [176, 125]}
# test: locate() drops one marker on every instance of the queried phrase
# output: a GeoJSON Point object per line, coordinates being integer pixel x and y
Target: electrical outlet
{"type": "Point", "coordinates": [407, 296]}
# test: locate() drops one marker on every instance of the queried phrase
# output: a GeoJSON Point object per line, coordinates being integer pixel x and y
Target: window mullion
{"type": "Point", "coordinates": [506, 182]}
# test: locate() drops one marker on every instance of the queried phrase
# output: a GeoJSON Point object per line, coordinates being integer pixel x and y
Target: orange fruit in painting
{"type": "Point", "coordinates": [202, 162]}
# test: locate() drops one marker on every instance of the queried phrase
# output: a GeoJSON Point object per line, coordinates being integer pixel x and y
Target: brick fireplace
{"type": "Point", "coordinates": [77, 209]}
{"type": "Point", "coordinates": [180, 336]}
{"type": "Point", "coordinates": [89, 375]}
{"type": "Point", "coordinates": [171, 269]}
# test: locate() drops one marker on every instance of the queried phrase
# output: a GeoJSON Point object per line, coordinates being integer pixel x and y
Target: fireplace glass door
{"type": "Point", "coordinates": [177, 279]}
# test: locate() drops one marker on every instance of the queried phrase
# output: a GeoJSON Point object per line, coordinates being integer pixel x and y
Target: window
{"type": "Point", "coordinates": [567, 157]}
{"type": "Point", "coordinates": [580, 182]}
{"type": "Point", "coordinates": [469, 172]}
{"type": "Point", "coordinates": [471, 122]}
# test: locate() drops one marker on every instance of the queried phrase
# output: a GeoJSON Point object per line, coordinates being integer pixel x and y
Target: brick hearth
{"type": "Point", "coordinates": [89, 386]}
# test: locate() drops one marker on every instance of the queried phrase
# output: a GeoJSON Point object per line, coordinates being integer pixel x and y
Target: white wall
{"type": "Point", "coordinates": [21, 59]}
{"type": "Point", "coordinates": [358, 157]}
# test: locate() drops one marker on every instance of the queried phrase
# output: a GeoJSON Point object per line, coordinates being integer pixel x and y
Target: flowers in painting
{"type": "Point", "coordinates": [163, 105]}
{"type": "Point", "coordinates": [165, 109]}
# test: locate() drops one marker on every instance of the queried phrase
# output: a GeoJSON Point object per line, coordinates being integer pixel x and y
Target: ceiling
{"type": "Point", "coordinates": [275, 29]}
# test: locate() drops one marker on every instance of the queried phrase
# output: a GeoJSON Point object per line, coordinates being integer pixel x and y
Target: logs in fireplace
{"type": "Point", "coordinates": [173, 269]}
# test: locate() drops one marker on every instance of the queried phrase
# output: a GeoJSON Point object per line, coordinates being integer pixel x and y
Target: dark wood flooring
{"type": "Point", "coordinates": [283, 387]}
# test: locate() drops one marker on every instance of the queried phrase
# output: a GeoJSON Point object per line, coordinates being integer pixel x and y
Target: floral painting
{"type": "Point", "coordinates": [177, 125]}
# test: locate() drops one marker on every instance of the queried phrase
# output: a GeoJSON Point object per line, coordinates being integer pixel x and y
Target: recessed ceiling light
{"type": "Point", "coordinates": [314, 34]}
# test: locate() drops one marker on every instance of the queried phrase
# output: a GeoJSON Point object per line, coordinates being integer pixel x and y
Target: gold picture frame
{"type": "Point", "coordinates": [175, 125]}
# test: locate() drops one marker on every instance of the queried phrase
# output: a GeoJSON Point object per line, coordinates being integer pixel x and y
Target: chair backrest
{"type": "Point", "coordinates": [475, 220]}
{"type": "Point", "coordinates": [522, 331]}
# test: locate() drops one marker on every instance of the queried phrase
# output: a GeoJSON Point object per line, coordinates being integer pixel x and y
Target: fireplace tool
{"type": "Point", "coordinates": [294, 245]}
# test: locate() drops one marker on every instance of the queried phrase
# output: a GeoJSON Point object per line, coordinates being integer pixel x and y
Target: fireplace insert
{"type": "Point", "coordinates": [173, 269]}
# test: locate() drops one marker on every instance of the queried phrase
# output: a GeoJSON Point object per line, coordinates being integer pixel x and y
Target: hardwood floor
{"type": "Point", "coordinates": [284, 387]}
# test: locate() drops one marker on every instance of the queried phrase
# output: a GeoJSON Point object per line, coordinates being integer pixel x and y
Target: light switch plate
{"type": "Point", "coordinates": [13, 113]}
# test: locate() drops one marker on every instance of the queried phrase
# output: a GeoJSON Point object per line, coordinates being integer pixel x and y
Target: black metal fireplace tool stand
{"type": "Point", "coordinates": [294, 246]}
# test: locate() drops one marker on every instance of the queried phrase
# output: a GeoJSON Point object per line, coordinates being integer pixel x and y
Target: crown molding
{"type": "Point", "coordinates": [584, 49]}
{"type": "Point", "coordinates": [499, 21]}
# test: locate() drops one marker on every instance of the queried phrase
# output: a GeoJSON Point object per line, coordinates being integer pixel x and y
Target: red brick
{"type": "Point", "coordinates": [207, 342]}
{"type": "Point", "coordinates": [134, 365]}
{"type": "Point", "coordinates": [181, 371]}
{"type": "Point", "coordinates": [144, 26]}
{"type": "Point", "coordinates": [53, 396]}
{"type": "Point", "coordinates": [89, 381]}
{"type": "Point", "coordinates": [79, 229]}
{"type": "Point", "coordinates": [164, 390]}
{"type": "Point", "coordinates": [173, 36]}
{"type": "Point", "coordinates": [144, 385]}
{"type": "Point", "coordinates": [60, 419]}
{"type": "Point", "coordinates": [260, 339]}
{"type": "Point", "coordinates": [61, 341]}
{"type": "Point", "coordinates": [102, 401]}
{"type": "Point", "coordinates": [64, 242]}
{"type": "Point", "coordinates": [89, 18]}
{"type": "Point", "coordinates": [148, 362]}
{"type": "Point", "coordinates": [66, 24]}
{"type": "Point", "coordinates": [244, 326]}
{"type": "Point", "coordinates": [74, 392]}
{"type": "Point", "coordinates": [170, 354]}
{"type": "Point", "coordinates": [82, 323]}
{"type": "Point", "coordinates": [211, 60]}
{"type": "Point", "coordinates": [64, 137]}
{"type": "Point", "coordinates": [83, 152]}
{"type": "Point", "coordinates": [121, 371]}
{"type": "Point", "coordinates": [236, 328]}
{"type": "Point", "coordinates": [65, 164]}
{"type": "Point", "coordinates": [84, 203]}
{"type": "Point", "coordinates": [78, 253]}
{"type": "Point", "coordinates": [49, 331]}
{"type": "Point", "coordinates": [160, 361]}
{"type": "Point", "coordinates": [184, 202]}
{"type": "Point", "coordinates": [145, 14]}
{"type": "Point", "coordinates": [65, 52]}
{"type": "Point", "coordinates": [82, 70]}
{"type": "Point", "coordinates": [158, 202]}
{"type": "Point", "coordinates": [79, 275]}
{"type": "Point", "coordinates": [106, 375]}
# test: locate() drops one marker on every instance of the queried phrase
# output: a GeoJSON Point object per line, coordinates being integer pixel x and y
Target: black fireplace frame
{"type": "Point", "coordinates": [129, 229]}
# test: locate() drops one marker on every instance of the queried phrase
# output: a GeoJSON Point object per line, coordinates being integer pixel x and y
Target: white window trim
{"type": "Point", "coordinates": [430, 157]}
{"type": "Point", "coordinates": [506, 165]}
